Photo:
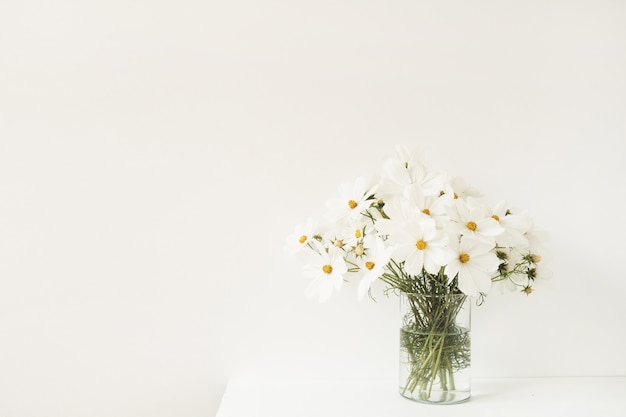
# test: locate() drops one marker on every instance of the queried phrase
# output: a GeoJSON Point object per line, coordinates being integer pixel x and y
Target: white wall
{"type": "Point", "coordinates": [154, 155]}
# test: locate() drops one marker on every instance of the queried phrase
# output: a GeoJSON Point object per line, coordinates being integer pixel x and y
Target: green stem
{"type": "Point", "coordinates": [434, 346]}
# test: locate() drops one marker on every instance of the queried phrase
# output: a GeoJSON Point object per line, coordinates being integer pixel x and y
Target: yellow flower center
{"type": "Point", "coordinates": [357, 233]}
{"type": "Point", "coordinates": [370, 265]}
{"type": "Point", "coordinates": [352, 204]}
{"type": "Point", "coordinates": [471, 225]}
{"type": "Point", "coordinates": [456, 196]}
{"type": "Point", "coordinates": [496, 217]}
{"type": "Point", "coordinates": [302, 239]}
{"type": "Point", "coordinates": [426, 212]}
{"type": "Point", "coordinates": [327, 269]}
{"type": "Point", "coordinates": [420, 244]}
{"type": "Point", "coordinates": [464, 258]}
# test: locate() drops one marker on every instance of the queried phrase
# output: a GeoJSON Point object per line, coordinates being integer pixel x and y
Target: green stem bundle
{"type": "Point", "coordinates": [433, 345]}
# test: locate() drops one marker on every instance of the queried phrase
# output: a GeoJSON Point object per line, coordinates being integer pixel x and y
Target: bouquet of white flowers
{"type": "Point", "coordinates": [422, 233]}
{"type": "Point", "coordinates": [412, 223]}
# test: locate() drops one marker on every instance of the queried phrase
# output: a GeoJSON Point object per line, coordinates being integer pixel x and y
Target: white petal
{"type": "Point", "coordinates": [311, 271]}
{"type": "Point", "coordinates": [414, 263]}
{"type": "Point", "coordinates": [402, 252]}
{"type": "Point", "coordinates": [466, 282]}
{"type": "Point", "coordinates": [312, 290]}
{"type": "Point", "coordinates": [337, 281]}
{"type": "Point", "coordinates": [432, 263]}
{"type": "Point", "coordinates": [487, 262]}
{"type": "Point", "coordinates": [452, 268]}
{"type": "Point", "coordinates": [325, 291]}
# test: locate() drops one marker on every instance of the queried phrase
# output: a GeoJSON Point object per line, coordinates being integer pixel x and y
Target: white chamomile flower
{"type": "Point", "coordinates": [357, 229]}
{"type": "Point", "coordinates": [407, 156]}
{"type": "Point", "coordinates": [301, 237]}
{"type": "Point", "coordinates": [405, 170]}
{"type": "Point", "coordinates": [473, 263]}
{"type": "Point", "coordinates": [420, 246]}
{"type": "Point", "coordinates": [399, 211]}
{"type": "Point", "coordinates": [327, 272]}
{"type": "Point", "coordinates": [514, 226]}
{"type": "Point", "coordinates": [406, 167]}
{"type": "Point", "coordinates": [351, 201]}
{"type": "Point", "coordinates": [434, 206]}
{"type": "Point", "coordinates": [458, 187]}
{"type": "Point", "coordinates": [473, 220]}
{"type": "Point", "coordinates": [377, 256]}
{"type": "Point", "coordinates": [537, 240]}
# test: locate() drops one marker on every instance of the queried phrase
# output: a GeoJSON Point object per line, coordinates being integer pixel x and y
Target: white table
{"type": "Point", "coordinates": [275, 397]}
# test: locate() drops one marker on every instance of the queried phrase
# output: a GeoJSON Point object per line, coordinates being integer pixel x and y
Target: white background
{"type": "Point", "coordinates": [155, 154]}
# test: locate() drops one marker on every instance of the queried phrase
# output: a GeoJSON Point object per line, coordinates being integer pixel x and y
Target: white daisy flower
{"type": "Point", "coordinates": [434, 206]}
{"type": "Point", "coordinates": [410, 157]}
{"type": "Point", "coordinates": [458, 187]}
{"type": "Point", "coordinates": [351, 201]}
{"type": "Point", "coordinates": [420, 246]}
{"type": "Point", "coordinates": [473, 220]}
{"type": "Point", "coordinates": [399, 211]}
{"type": "Point", "coordinates": [301, 237]}
{"type": "Point", "coordinates": [473, 263]}
{"type": "Point", "coordinates": [514, 226]}
{"type": "Point", "coordinates": [377, 257]}
{"type": "Point", "coordinates": [405, 170]}
{"type": "Point", "coordinates": [327, 272]}
{"type": "Point", "coordinates": [357, 229]}
{"type": "Point", "coordinates": [537, 240]}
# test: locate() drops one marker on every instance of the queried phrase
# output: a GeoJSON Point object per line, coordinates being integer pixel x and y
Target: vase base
{"type": "Point", "coordinates": [437, 397]}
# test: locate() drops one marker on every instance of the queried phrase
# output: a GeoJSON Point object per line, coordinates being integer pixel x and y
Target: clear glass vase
{"type": "Point", "coordinates": [435, 352]}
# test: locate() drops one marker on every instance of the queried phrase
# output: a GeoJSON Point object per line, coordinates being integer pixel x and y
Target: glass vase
{"type": "Point", "coordinates": [435, 353]}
